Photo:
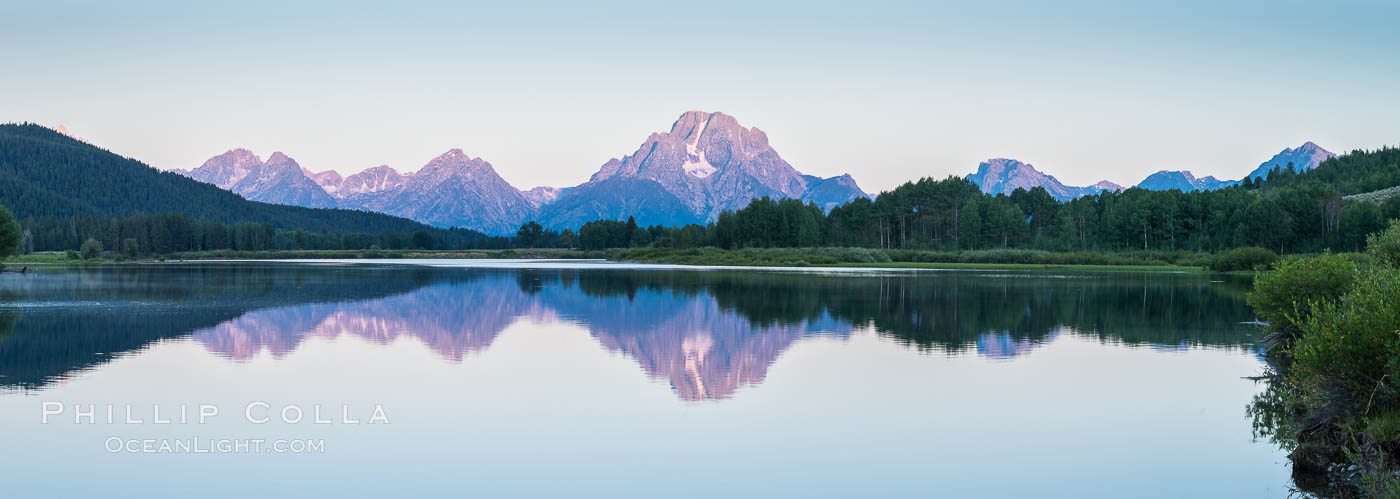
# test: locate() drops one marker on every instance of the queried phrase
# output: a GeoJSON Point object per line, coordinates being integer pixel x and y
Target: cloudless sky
{"type": "Point", "coordinates": [549, 91]}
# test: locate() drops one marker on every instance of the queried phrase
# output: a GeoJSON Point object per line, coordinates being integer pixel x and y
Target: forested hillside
{"type": "Point", "coordinates": [46, 174]}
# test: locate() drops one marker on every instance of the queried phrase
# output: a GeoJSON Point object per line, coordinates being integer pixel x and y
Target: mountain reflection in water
{"type": "Point", "coordinates": [706, 332]}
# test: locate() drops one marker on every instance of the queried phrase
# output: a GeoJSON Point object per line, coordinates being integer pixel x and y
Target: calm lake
{"type": "Point", "coordinates": [560, 379]}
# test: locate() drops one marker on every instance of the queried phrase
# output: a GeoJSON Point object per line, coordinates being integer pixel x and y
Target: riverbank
{"type": "Point", "coordinates": [1332, 400]}
{"type": "Point", "coordinates": [54, 257]}
{"type": "Point", "coordinates": [872, 257]}
{"type": "Point", "coordinates": [1007, 259]}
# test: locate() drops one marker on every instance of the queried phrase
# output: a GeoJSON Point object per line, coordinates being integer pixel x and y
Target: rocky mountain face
{"type": "Point", "coordinates": [279, 180]}
{"type": "Point", "coordinates": [452, 190]}
{"type": "Point", "coordinates": [329, 180]}
{"type": "Point", "coordinates": [372, 180]}
{"type": "Point", "coordinates": [1104, 185]}
{"type": "Point", "coordinates": [644, 199]}
{"type": "Point", "coordinates": [830, 192]}
{"type": "Point", "coordinates": [226, 169]}
{"type": "Point", "coordinates": [541, 196]}
{"type": "Point", "coordinates": [1303, 158]}
{"type": "Point", "coordinates": [1004, 176]}
{"type": "Point", "coordinates": [1182, 180]}
{"type": "Point", "coordinates": [706, 163]}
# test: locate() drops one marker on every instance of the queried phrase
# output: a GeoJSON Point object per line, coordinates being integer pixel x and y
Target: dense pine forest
{"type": "Point", "coordinates": [144, 235]}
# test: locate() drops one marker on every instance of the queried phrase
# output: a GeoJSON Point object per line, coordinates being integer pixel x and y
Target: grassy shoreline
{"type": "Point", "coordinates": [1016, 266]}
{"type": "Point", "coordinates": [543, 254]}
{"type": "Point", "coordinates": [767, 257]}
{"type": "Point", "coordinates": [1008, 259]}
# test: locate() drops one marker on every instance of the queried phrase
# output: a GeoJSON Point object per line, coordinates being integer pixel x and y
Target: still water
{"type": "Point", "coordinates": [557, 379]}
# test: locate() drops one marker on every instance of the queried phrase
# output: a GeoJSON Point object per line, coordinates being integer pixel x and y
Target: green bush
{"type": "Point", "coordinates": [860, 255]}
{"type": "Point", "coordinates": [1247, 258]}
{"type": "Point", "coordinates": [71, 255]}
{"type": "Point", "coordinates": [1347, 359]}
{"type": "Point", "coordinates": [1384, 246]}
{"type": "Point", "coordinates": [1384, 426]}
{"type": "Point", "coordinates": [91, 249]}
{"type": "Point", "coordinates": [1199, 261]}
{"type": "Point", "coordinates": [1005, 255]}
{"type": "Point", "coordinates": [1287, 295]}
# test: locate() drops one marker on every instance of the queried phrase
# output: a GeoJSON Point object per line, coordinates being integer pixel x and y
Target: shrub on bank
{"type": "Point", "coordinates": [1384, 246]}
{"type": "Point", "coordinates": [91, 249]}
{"type": "Point", "coordinates": [1334, 400]}
{"type": "Point", "coordinates": [1005, 255]}
{"type": "Point", "coordinates": [1247, 258]}
{"type": "Point", "coordinates": [1347, 358]}
{"type": "Point", "coordinates": [1287, 295]}
{"type": "Point", "coordinates": [859, 255]}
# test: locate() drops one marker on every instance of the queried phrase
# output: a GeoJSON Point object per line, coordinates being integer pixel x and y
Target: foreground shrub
{"type": "Point", "coordinates": [1005, 255]}
{"type": "Point", "coordinates": [1384, 246]}
{"type": "Point", "coordinates": [1288, 294]}
{"type": "Point", "coordinates": [1347, 358]}
{"type": "Point", "coordinates": [91, 249]}
{"type": "Point", "coordinates": [1247, 258]}
{"type": "Point", "coordinates": [1334, 400]}
{"type": "Point", "coordinates": [859, 255]}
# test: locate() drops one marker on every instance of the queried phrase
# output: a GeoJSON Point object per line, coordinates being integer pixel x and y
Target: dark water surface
{"type": "Point", "coordinates": [569, 380]}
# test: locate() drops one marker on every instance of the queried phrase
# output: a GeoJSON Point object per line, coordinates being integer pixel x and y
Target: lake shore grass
{"type": "Point", "coordinates": [55, 257]}
{"type": "Point", "coordinates": [1019, 266]}
{"type": "Point", "coordinates": [1008, 259]}
{"type": "Point", "coordinates": [1003, 259]}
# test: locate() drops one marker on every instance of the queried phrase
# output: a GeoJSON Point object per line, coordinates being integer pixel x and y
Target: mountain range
{"type": "Point", "coordinates": [705, 164]}
{"type": "Point", "coordinates": [1003, 176]}
{"type": "Point", "coordinates": [1303, 158]}
{"type": "Point", "coordinates": [279, 180]}
{"type": "Point", "coordinates": [1183, 181]}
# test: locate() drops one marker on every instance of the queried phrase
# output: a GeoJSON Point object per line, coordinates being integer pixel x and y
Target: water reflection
{"type": "Point", "coordinates": [452, 318]}
{"type": "Point", "coordinates": [707, 333]}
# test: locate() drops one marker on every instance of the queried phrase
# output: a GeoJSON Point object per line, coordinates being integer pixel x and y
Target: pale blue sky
{"type": "Point", "coordinates": [888, 91]}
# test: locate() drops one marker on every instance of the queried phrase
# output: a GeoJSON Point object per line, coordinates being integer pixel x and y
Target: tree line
{"type": "Point", "coordinates": [1286, 211]}
{"type": "Point", "coordinates": [143, 235]}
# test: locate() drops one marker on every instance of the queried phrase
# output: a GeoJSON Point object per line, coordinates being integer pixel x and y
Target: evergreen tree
{"type": "Point", "coordinates": [10, 233]}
